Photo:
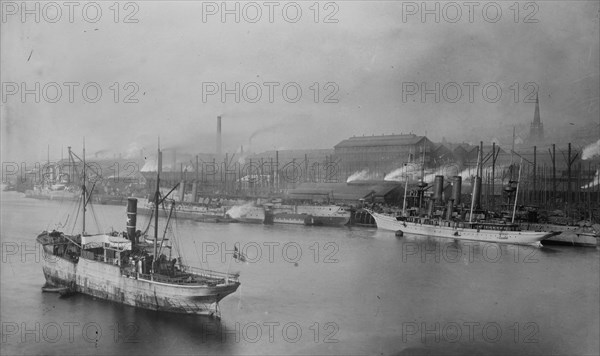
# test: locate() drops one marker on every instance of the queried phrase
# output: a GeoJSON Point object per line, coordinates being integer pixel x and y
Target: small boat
{"type": "Point", "coordinates": [63, 291]}
{"type": "Point", "coordinates": [53, 289]}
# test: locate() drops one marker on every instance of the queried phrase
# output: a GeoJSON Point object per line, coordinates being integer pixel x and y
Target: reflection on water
{"type": "Point", "coordinates": [311, 290]}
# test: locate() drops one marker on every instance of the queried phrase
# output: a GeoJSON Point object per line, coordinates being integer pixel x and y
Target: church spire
{"type": "Point", "coordinates": [536, 131]}
{"type": "Point", "coordinates": [536, 115]}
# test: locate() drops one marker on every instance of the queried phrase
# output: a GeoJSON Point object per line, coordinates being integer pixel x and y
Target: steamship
{"type": "Point", "coordinates": [476, 231]}
{"type": "Point", "coordinates": [122, 268]}
{"type": "Point", "coordinates": [189, 211]}
{"type": "Point", "coordinates": [317, 215]}
{"type": "Point", "coordinates": [458, 229]}
{"type": "Point", "coordinates": [52, 192]}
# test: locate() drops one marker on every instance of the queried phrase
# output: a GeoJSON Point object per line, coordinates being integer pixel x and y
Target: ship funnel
{"type": "Point", "coordinates": [477, 192]}
{"type": "Point", "coordinates": [430, 208]}
{"type": "Point", "coordinates": [438, 189]}
{"type": "Point", "coordinates": [457, 189]}
{"type": "Point", "coordinates": [131, 219]}
{"type": "Point", "coordinates": [449, 209]}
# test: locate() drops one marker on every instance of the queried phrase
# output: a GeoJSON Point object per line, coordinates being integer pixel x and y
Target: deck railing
{"type": "Point", "coordinates": [184, 279]}
{"type": "Point", "coordinates": [232, 277]}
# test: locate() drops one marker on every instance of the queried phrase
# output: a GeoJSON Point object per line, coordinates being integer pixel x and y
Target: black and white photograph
{"type": "Point", "coordinates": [308, 177]}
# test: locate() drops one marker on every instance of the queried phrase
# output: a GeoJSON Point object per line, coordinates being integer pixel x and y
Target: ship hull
{"type": "Point", "coordinates": [327, 220]}
{"type": "Point", "coordinates": [289, 218]}
{"type": "Point", "coordinates": [572, 239]}
{"type": "Point", "coordinates": [52, 195]}
{"type": "Point", "coordinates": [390, 223]}
{"type": "Point", "coordinates": [187, 214]}
{"type": "Point", "coordinates": [251, 220]}
{"type": "Point", "coordinates": [105, 281]}
{"type": "Point", "coordinates": [317, 215]}
{"type": "Point", "coordinates": [304, 219]}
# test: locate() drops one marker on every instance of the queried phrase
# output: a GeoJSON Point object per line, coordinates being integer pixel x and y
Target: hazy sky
{"type": "Point", "coordinates": [373, 51]}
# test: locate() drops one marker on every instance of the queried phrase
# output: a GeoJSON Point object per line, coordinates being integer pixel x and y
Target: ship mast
{"type": "Point", "coordinates": [423, 163]}
{"type": "Point", "coordinates": [422, 184]}
{"type": "Point", "coordinates": [158, 169]}
{"type": "Point", "coordinates": [517, 192]}
{"type": "Point", "coordinates": [473, 184]}
{"type": "Point", "coordinates": [83, 190]}
{"type": "Point", "coordinates": [405, 185]}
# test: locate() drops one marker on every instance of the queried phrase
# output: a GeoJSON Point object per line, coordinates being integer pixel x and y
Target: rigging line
{"type": "Point", "coordinates": [67, 237]}
{"type": "Point", "coordinates": [87, 165]}
{"type": "Point", "coordinates": [69, 213]}
{"type": "Point", "coordinates": [198, 255]}
{"type": "Point", "coordinates": [76, 216]}
{"type": "Point", "coordinates": [175, 243]}
{"type": "Point", "coordinates": [75, 210]}
{"type": "Point", "coordinates": [199, 258]}
{"type": "Point", "coordinates": [166, 195]}
{"type": "Point", "coordinates": [102, 217]}
{"type": "Point", "coordinates": [171, 236]}
{"type": "Point", "coordinates": [179, 247]}
{"type": "Point", "coordinates": [166, 228]}
{"type": "Point", "coordinates": [63, 225]}
{"type": "Point", "coordinates": [56, 215]}
{"type": "Point", "coordinates": [90, 194]}
{"type": "Point", "coordinates": [98, 226]}
{"type": "Point", "coordinates": [54, 219]}
{"type": "Point", "coordinates": [149, 223]}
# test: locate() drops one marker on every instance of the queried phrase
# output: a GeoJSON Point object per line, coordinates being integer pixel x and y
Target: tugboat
{"type": "Point", "coordinates": [121, 268]}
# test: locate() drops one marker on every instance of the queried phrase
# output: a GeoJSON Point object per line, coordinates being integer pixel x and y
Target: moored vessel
{"type": "Point", "coordinates": [477, 231]}
{"type": "Point", "coordinates": [53, 192]}
{"type": "Point", "coordinates": [121, 268]}
{"type": "Point", "coordinates": [453, 224]}
{"type": "Point", "coordinates": [318, 215]}
{"type": "Point", "coordinates": [188, 211]}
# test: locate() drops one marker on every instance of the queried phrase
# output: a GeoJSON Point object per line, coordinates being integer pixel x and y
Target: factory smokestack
{"type": "Point", "coordinates": [219, 135]}
{"type": "Point", "coordinates": [449, 209]}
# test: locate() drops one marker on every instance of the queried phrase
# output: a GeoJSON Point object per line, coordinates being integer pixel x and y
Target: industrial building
{"type": "Point", "coordinates": [381, 154]}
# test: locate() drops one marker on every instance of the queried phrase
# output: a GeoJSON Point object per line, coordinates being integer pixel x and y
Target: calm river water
{"type": "Point", "coordinates": [313, 291]}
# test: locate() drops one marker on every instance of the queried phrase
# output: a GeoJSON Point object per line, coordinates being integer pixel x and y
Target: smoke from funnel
{"type": "Point", "coordinates": [591, 151]}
